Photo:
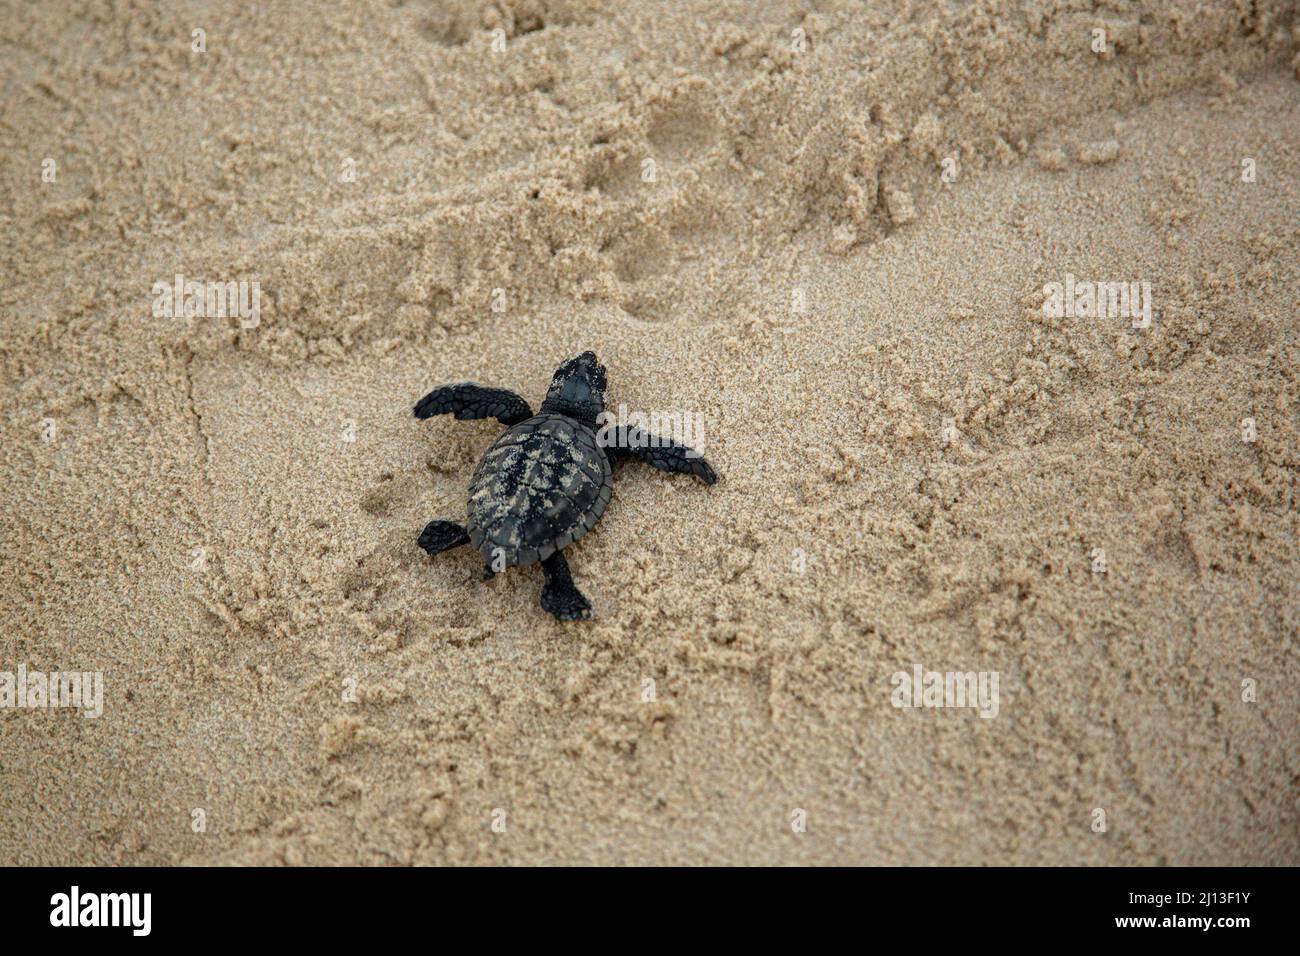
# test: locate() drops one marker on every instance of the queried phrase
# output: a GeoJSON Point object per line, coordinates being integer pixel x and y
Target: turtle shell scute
{"type": "Point", "coordinates": [540, 487]}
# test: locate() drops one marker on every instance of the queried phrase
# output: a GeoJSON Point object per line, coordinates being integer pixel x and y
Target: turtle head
{"type": "Point", "coordinates": [577, 389]}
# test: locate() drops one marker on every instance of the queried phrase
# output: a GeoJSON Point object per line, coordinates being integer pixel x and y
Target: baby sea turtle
{"type": "Point", "coordinates": [545, 482]}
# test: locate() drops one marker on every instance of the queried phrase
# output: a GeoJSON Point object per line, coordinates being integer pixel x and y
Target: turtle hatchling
{"type": "Point", "coordinates": [546, 481]}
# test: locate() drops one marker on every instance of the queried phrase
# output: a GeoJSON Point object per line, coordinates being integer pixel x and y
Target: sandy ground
{"type": "Point", "coordinates": [836, 256]}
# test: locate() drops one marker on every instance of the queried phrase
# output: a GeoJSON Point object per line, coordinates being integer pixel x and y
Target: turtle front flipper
{"type": "Point", "coordinates": [468, 400]}
{"type": "Point", "coordinates": [560, 596]}
{"type": "Point", "coordinates": [439, 536]}
{"type": "Point", "coordinates": [662, 453]}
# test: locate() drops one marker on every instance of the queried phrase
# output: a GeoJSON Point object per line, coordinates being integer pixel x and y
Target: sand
{"type": "Point", "coordinates": [836, 257]}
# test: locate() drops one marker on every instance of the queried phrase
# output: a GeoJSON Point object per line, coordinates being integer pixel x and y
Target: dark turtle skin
{"type": "Point", "coordinates": [545, 483]}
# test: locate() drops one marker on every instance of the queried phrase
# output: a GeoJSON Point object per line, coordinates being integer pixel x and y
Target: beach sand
{"type": "Point", "coordinates": [826, 230]}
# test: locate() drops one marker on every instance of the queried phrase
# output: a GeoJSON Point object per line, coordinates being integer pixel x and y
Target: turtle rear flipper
{"type": "Point", "coordinates": [560, 596]}
{"type": "Point", "coordinates": [439, 536]}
